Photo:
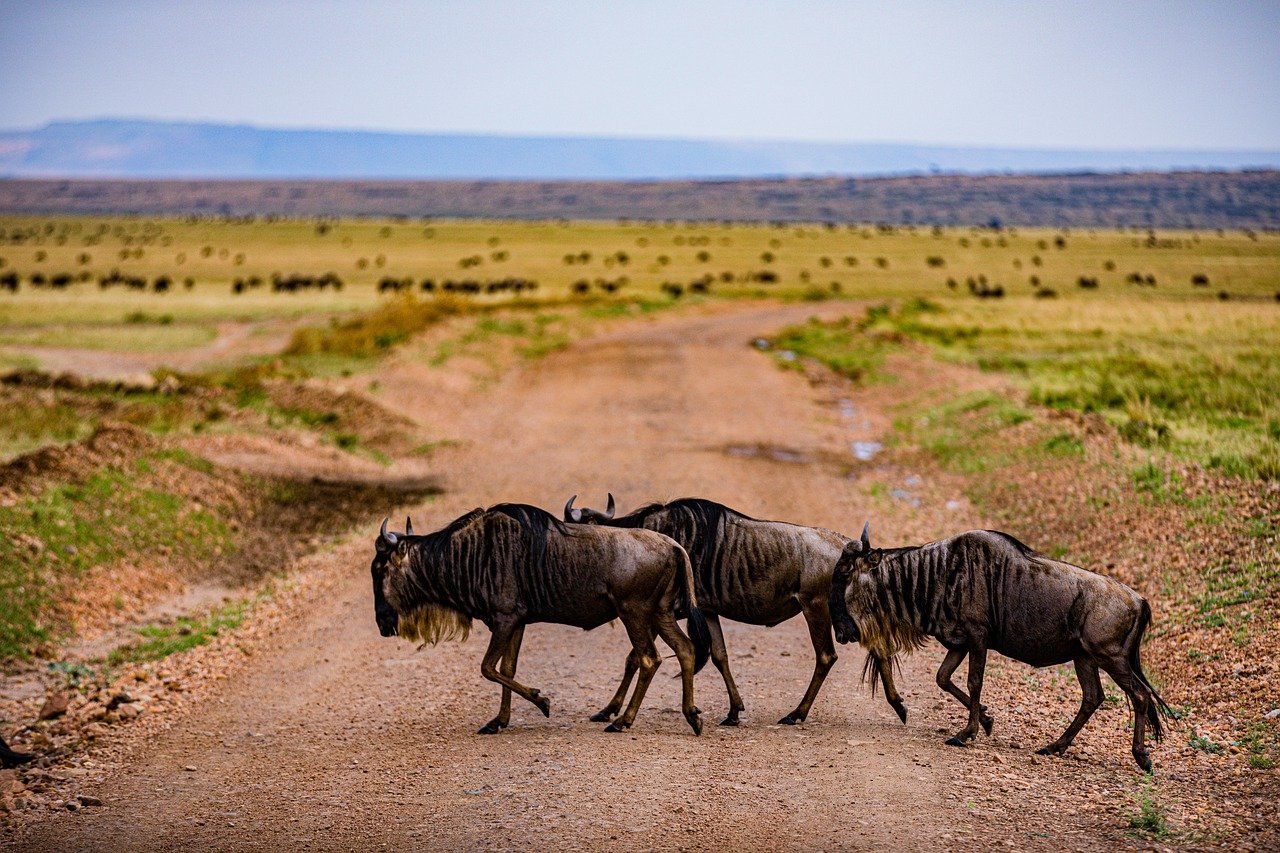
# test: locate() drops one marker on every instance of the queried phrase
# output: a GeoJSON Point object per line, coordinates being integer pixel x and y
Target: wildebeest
{"type": "Point", "coordinates": [9, 758]}
{"type": "Point", "coordinates": [984, 590]}
{"type": "Point", "coordinates": [512, 565]}
{"type": "Point", "coordinates": [747, 570]}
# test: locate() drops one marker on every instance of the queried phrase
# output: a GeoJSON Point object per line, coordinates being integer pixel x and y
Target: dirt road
{"type": "Point", "coordinates": [339, 739]}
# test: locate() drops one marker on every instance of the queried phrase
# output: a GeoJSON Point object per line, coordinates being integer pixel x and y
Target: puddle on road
{"type": "Point", "coordinates": [772, 452]}
{"type": "Point", "coordinates": [865, 451]}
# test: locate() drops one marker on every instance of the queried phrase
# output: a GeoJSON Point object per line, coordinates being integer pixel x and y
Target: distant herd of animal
{"type": "Point", "coordinates": [513, 565]}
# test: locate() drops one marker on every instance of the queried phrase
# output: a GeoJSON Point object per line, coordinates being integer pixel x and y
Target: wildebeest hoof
{"type": "Point", "coordinates": [615, 727]}
{"type": "Point", "coordinates": [695, 721]}
{"type": "Point", "coordinates": [602, 716]}
{"type": "Point", "coordinates": [1051, 749]}
{"type": "Point", "coordinates": [490, 728]}
{"type": "Point", "coordinates": [902, 711]}
{"type": "Point", "coordinates": [1144, 761]}
{"type": "Point", "coordinates": [790, 720]}
{"type": "Point", "coordinates": [955, 741]}
{"type": "Point", "coordinates": [543, 703]}
{"type": "Point", "coordinates": [13, 759]}
{"type": "Point", "coordinates": [987, 724]}
{"type": "Point", "coordinates": [731, 720]}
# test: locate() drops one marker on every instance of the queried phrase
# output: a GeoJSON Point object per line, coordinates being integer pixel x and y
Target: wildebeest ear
{"type": "Point", "coordinates": [866, 536]}
{"type": "Point", "coordinates": [403, 548]}
{"type": "Point", "coordinates": [609, 509]}
{"type": "Point", "coordinates": [571, 514]}
{"type": "Point", "coordinates": [874, 557]}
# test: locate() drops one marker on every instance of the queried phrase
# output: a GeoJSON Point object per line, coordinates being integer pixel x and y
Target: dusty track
{"type": "Point", "coordinates": [339, 739]}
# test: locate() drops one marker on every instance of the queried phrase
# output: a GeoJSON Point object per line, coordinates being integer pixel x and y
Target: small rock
{"type": "Point", "coordinates": [55, 705]}
{"type": "Point", "coordinates": [190, 768]}
{"type": "Point", "coordinates": [87, 800]}
{"type": "Point", "coordinates": [1272, 715]}
{"type": "Point", "coordinates": [96, 730]}
{"type": "Point", "coordinates": [71, 805]}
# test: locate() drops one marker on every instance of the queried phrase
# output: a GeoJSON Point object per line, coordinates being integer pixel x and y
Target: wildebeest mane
{"type": "Point", "coordinates": [697, 523]}
{"type": "Point", "coordinates": [537, 524]}
{"type": "Point", "coordinates": [454, 574]}
{"type": "Point", "coordinates": [1024, 550]}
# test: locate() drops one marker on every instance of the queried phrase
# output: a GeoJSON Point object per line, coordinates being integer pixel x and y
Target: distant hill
{"type": "Point", "coordinates": [150, 149]}
{"type": "Point", "coordinates": [1177, 199]}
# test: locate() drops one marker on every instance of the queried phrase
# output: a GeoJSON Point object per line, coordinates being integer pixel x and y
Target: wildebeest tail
{"type": "Point", "coordinates": [1158, 707]}
{"type": "Point", "coordinates": [697, 623]}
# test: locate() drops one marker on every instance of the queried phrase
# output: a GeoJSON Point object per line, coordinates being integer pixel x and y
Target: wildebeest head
{"type": "Point", "coordinates": [586, 515]}
{"type": "Point", "coordinates": [851, 585]}
{"type": "Point", "coordinates": [389, 553]}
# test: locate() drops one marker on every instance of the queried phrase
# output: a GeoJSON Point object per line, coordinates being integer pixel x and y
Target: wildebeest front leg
{"type": "Point", "coordinates": [720, 657]}
{"type": "Point", "coordinates": [890, 689]}
{"type": "Point", "coordinates": [498, 645]}
{"type": "Point", "coordinates": [509, 658]}
{"type": "Point", "coordinates": [1091, 687]}
{"type": "Point", "coordinates": [977, 666]}
{"type": "Point", "coordinates": [949, 664]}
{"type": "Point", "coordinates": [824, 650]}
{"type": "Point", "coordinates": [607, 713]}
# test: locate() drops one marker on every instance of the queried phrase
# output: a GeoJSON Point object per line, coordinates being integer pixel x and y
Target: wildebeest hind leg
{"type": "Point", "coordinates": [509, 658]}
{"type": "Point", "coordinates": [1141, 700]}
{"type": "Point", "coordinates": [977, 666]}
{"type": "Point", "coordinates": [720, 657]}
{"type": "Point", "coordinates": [498, 644]}
{"type": "Point", "coordinates": [824, 650]}
{"type": "Point", "coordinates": [1091, 687]}
{"type": "Point", "coordinates": [950, 663]}
{"type": "Point", "coordinates": [607, 713]}
{"type": "Point", "coordinates": [680, 644]}
{"type": "Point", "coordinates": [640, 630]}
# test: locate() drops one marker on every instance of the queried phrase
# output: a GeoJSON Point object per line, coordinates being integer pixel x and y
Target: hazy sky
{"type": "Point", "coordinates": [1089, 74]}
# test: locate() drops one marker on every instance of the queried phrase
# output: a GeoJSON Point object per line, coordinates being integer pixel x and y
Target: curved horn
{"type": "Point", "coordinates": [408, 526]}
{"type": "Point", "coordinates": [609, 509]}
{"type": "Point", "coordinates": [571, 514]}
{"type": "Point", "coordinates": [383, 532]}
{"type": "Point", "coordinates": [866, 536]}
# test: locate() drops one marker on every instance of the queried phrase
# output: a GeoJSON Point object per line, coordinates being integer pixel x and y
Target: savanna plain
{"type": "Point", "coordinates": [203, 421]}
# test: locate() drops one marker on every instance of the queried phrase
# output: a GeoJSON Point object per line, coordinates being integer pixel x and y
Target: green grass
{"type": "Point", "coordinates": [1203, 744]}
{"type": "Point", "coordinates": [1203, 383]}
{"type": "Point", "coordinates": [134, 336]}
{"type": "Point", "coordinates": [160, 641]}
{"type": "Point", "coordinates": [1150, 817]}
{"type": "Point", "coordinates": [961, 433]}
{"type": "Point", "coordinates": [49, 540]}
{"type": "Point", "coordinates": [375, 332]}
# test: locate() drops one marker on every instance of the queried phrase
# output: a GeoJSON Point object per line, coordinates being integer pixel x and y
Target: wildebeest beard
{"type": "Point", "coordinates": [881, 633]}
{"type": "Point", "coordinates": [431, 624]}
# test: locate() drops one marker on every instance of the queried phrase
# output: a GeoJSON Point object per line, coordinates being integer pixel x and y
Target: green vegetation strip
{"type": "Point", "coordinates": [160, 641]}
{"type": "Point", "coordinates": [48, 540]}
{"type": "Point", "coordinates": [1205, 385]}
